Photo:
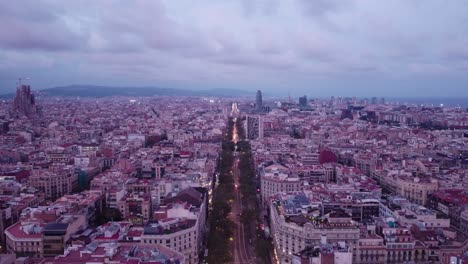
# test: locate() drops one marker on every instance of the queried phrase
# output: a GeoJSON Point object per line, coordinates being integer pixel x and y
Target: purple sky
{"type": "Point", "coordinates": [314, 47]}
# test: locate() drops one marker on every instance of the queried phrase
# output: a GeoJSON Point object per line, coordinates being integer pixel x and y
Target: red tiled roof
{"type": "Point", "coordinates": [15, 230]}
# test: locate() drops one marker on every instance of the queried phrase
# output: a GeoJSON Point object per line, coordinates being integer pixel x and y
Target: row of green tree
{"type": "Point", "coordinates": [240, 129]}
{"type": "Point", "coordinates": [250, 214]}
{"type": "Point", "coordinates": [221, 227]}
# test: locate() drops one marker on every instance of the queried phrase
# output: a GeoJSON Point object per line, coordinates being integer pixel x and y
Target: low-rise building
{"type": "Point", "coordinates": [326, 253]}
{"type": "Point", "coordinates": [136, 207]}
{"type": "Point", "coordinates": [108, 253]}
{"type": "Point", "coordinates": [53, 184]}
{"type": "Point", "coordinates": [43, 232]}
{"type": "Point", "coordinates": [297, 224]}
{"type": "Point", "coordinates": [275, 179]}
{"type": "Point", "coordinates": [371, 248]}
{"type": "Point", "coordinates": [180, 225]}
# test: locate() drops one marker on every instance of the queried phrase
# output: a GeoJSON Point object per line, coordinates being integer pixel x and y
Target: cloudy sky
{"type": "Point", "coordinates": [314, 47]}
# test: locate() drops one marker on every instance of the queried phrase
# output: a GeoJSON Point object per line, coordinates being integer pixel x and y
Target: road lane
{"type": "Point", "coordinates": [242, 254]}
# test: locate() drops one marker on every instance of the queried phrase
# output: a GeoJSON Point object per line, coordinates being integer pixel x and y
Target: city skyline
{"type": "Point", "coordinates": [318, 48]}
{"type": "Point", "coordinates": [233, 132]}
{"type": "Point", "coordinates": [211, 180]}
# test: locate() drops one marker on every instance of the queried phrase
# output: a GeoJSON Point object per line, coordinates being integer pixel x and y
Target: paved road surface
{"type": "Point", "coordinates": [243, 252]}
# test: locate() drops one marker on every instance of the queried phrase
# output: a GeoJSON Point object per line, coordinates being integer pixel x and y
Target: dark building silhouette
{"type": "Point", "coordinates": [24, 103]}
{"type": "Point", "coordinates": [258, 101]}
{"type": "Point", "coordinates": [346, 113]}
{"type": "Point", "coordinates": [327, 156]}
{"type": "Point", "coordinates": [303, 101]}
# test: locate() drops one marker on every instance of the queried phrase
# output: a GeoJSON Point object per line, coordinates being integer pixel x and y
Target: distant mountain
{"type": "Point", "coordinates": [104, 91]}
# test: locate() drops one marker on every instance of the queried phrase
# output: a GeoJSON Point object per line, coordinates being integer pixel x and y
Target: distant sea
{"type": "Point", "coordinates": [436, 101]}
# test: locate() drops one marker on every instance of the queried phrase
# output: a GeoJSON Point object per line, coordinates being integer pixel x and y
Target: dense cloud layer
{"type": "Point", "coordinates": [317, 47]}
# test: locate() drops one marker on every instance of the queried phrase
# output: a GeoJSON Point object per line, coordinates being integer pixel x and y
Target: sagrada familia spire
{"type": "Point", "coordinates": [24, 103]}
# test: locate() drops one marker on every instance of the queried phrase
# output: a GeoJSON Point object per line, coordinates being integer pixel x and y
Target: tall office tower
{"type": "Point", "coordinates": [303, 101]}
{"type": "Point", "coordinates": [382, 100]}
{"type": "Point", "coordinates": [254, 126]}
{"type": "Point", "coordinates": [258, 101]}
{"type": "Point", "coordinates": [24, 103]}
{"type": "Point", "coordinates": [374, 100]}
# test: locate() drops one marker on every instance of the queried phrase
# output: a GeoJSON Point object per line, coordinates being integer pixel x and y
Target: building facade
{"type": "Point", "coordinates": [254, 127]}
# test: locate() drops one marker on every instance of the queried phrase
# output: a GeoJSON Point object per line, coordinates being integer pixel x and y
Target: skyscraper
{"type": "Point", "coordinates": [24, 103]}
{"type": "Point", "coordinates": [258, 101]}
